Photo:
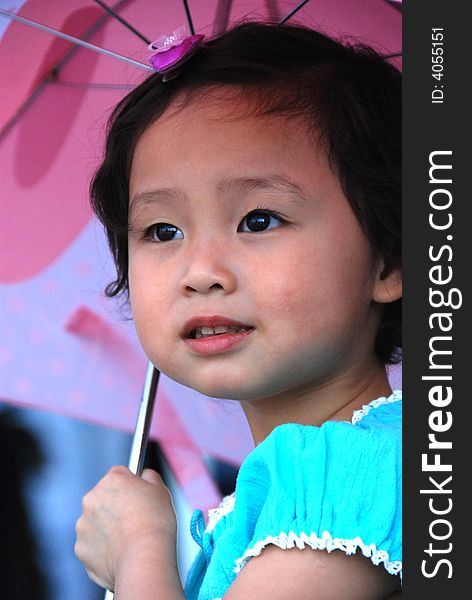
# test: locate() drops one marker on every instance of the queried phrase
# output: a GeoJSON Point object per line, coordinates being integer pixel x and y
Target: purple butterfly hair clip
{"type": "Point", "coordinates": [171, 52]}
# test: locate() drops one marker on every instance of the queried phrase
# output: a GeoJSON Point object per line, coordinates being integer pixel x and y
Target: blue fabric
{"type": "Point", "coordinates": [311, 486]}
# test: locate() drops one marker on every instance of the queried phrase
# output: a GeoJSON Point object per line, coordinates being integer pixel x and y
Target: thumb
{"type": "Point", "coordinates": [151, 477]}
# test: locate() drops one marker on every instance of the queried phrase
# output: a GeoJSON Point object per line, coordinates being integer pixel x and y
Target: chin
{"type": "Point", "coordinates": [216, 389]}
{"type": "Point", "coordinates": [222, 392]}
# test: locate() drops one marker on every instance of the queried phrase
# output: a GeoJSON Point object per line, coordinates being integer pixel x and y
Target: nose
{"type": "Point", "coordinates": [208, 270]}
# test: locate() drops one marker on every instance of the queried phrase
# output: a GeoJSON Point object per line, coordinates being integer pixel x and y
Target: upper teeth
{"type": "Point", "coordinates": [206, 331]}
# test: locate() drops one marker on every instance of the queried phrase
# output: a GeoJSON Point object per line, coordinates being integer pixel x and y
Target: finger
{"type": "Point", "coordinates": [151, 477]}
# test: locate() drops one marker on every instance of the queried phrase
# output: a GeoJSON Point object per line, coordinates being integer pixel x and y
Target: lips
{"type": "Point", "coordinates": [214, 334]}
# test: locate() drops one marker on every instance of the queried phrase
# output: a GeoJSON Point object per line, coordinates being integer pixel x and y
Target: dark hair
{"type": "Point", "coordinates": [347, 93]}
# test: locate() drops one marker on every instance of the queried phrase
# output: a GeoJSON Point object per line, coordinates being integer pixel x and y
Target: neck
{"type": "Point", "coordinates": [335, 400]}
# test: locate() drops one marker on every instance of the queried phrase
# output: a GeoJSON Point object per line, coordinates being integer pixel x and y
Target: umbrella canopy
{"type": "Point", "coordinates": [64, 347]}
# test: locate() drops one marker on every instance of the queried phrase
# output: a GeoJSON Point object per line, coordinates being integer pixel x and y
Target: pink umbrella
{"type": "Point", "coordinates": [64, 347]}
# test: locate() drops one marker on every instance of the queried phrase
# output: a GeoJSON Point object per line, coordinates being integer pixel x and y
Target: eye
{"type": "Point", "coordinates": [164, 232]}
{"type": "Point", "coordinates": [260, 220]}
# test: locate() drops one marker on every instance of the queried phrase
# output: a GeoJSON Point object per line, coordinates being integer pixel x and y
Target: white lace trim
{"type": "Point", "coordinates": [358, 415]}
{"type": "Point", "coordinates": [325, 542]}
{"type": "Point", "coordinates": [215, 514]}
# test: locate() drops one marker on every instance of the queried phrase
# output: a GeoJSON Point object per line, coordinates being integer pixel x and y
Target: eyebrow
{"type": "Point", "coordinates": [156, 196]}
{"type": "Point", "coordinates": [275, 183]}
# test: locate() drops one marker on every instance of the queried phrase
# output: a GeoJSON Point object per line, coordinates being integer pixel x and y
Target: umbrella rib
{"type": "Point", "coordinates": [302, 4]}
{"type": "Point", "coordinates": [73, 39]}
{"type": "Point", "coordinates": [223, 10]}
{"type": "Point", "coordinates": [127, 24]}
{"type": "Point", "coordinates": [292, 12]}
{"type": "Point", "coordinates": [93, 86]}
{"type": "Point", "coordinates": [274, 12]}
{"type": "Point", "coordinates": [21, 109]}
{"type": "Point", "coordinates": [189, 17]}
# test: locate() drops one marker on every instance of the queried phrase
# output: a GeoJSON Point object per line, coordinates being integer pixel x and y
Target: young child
{"type": "Point", "coordinates": [251, 197]}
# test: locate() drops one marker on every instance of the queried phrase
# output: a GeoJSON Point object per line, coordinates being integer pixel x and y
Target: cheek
{"type": "Point", "coordinates": [286, 296]}
{"type": "Point", "coordinates": [317, 291]}
{"type": "Point", "coordinates": [146, 291]}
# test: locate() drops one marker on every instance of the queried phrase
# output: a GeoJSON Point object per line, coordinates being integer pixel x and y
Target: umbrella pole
{"type": "Point", "coordinates": [141, 432]}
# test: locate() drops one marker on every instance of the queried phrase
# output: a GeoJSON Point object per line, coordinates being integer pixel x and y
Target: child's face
{"type": "Point", "coordinates": [301, 283]}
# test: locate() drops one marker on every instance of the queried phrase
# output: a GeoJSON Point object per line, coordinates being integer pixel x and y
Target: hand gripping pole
{"type": "Point", "coordinates": [141, 431]}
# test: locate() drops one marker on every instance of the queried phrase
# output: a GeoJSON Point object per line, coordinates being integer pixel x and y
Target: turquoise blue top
{"type": "Point", "coordinates": [337, 486]}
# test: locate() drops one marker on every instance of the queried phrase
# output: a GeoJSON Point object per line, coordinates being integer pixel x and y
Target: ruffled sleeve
{"type": "Point", "coordinates": [333, 487]}
{"type": "Point", "coordinates": [337, 486]}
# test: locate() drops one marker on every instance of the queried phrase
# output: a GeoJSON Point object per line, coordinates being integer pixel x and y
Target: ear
{"type": "Point", "coordinates": [388, 285]}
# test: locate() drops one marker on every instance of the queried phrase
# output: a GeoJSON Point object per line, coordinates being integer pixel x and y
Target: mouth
{"type": "Point", "coordinates": [212, 325]}
{"type": "Point", "coordinates": [204, 332]}
{"type": "Point", "coordinates": [214, 334]}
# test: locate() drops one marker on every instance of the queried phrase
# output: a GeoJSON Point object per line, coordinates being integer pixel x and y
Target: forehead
{"type": "Point", "coordinates": [236, 104]}
{"type": "Point", "coordinates": [220, 110]}
{"type": "Point", "coordinates": [223, 130]}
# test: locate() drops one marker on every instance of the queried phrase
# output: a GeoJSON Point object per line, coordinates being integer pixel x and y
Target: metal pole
{"type": "Point", "coordinates": [128, 25]}
{"type": "Point", "coordinates": [292, 12]}
{"type": "Point", "coordinates": [141, 431]}
{"type": "Point", "coordinates": [189, 17]}
{"type": "Point", "coordinates": [74, 40]}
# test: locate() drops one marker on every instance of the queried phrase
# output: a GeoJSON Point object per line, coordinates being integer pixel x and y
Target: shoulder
{"type": "Point", "coordinates": [374, 424]}
{"type": "Point", "coordinates": [334, 487]}
{"type": "Point", "coordinates": [299, 460]}
{"type": "Point", "coordinates": [309, 575]}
